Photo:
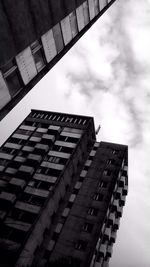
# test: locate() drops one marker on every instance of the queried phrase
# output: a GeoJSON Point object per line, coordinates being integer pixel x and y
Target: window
{"type": "Point", "coordinates": [92, 211]}
{"type": "Point", "coordinates": [58, 37]}
{"type": "Point", "coordinates": [54, 159]}
{"type": "Point", "coordinates": [124, 173]}
{"type": "Point", "coordinates": [110, 161]}
{"type": "Point", "coordinates": [107, 172]}
{"type": "Point", "coordinates": [98, 197]}
{"type": "Point", "coordinates": [55, 236]}
{"type": "Point", "coordinates": [81, 245]}
{"type": "Point", "coordinates": [102, 184]}
{"type": "Point", "coordinates": [114, 152]}
{"type": "Point", "coordinates": [12, 77]}
{"type": "Point", "coordinates": [75, 191]}
{"type": "Point", "coordinates": [47, 254]}
{"type": "Point", "coordinates": [38, 55]}
{"type": "Point", "coordinates": [87, 227]}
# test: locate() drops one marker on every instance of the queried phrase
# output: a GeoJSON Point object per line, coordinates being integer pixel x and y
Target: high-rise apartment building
{"type": "Point", "coordinates": [61, 193]}
{"type": "Point", "coordinates": [34, 35]}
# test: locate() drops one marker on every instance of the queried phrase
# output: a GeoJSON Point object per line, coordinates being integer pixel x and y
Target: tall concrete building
{"type": "Point", "coordinates": [34, 35]}
{"type": "Point", "coordinates": [61, 193]}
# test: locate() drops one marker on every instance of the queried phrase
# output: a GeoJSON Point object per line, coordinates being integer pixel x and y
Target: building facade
{"type": "Point", "coordinates": [61, 193]}
{"type": "Point", "coordinates": [34, 35]}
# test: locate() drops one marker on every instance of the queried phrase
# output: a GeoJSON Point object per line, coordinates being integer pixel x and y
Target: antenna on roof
{"type": "Point", "coordinates": [98, 129]}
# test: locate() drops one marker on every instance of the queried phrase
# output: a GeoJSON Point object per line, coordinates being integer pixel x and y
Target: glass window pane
{"type": "Point", "coordinates": [73, 23]}
{"type": "Point", "coordinates": [58, 38]}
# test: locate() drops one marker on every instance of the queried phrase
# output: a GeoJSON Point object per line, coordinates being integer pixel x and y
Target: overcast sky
{"type": "Point", "coordinates": [107, 75]}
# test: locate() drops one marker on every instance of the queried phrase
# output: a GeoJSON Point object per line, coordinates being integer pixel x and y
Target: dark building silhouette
{"type": "Point", "coordinates": [61, 193]}
{"type": "Point", "coordinates": [34, 35]}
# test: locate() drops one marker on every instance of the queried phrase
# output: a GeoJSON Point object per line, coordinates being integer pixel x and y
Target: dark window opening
{"type": "Point", "coordinates": [87, 227]}
{"type": "Point", "coordinates": [47, 254]}
{"type": "Point", "coordinates": [110, 161]}
{"type": "Point", "coordinates": [92, 211]}
{"type": "Point", "coordinates": [98, 197]}
{"type": "Point", "coordinates": [55, 236]}
{"type": "Point", "coordinates": [81, 245]}
{"type": "Point", "coordinates": [75, 191]}
{"type": "Point", "coordinates": [69, 205]}
{"type": "Point", "coordinates": [12, 77]}
{"type": "Point", "coordinates": [38, 55]}
{"type": "Point", "coordinates": [107, 172]}
{"type": "Point", "coordinates": [102, 184]}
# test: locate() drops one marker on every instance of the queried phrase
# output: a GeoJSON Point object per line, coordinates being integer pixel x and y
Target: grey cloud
{"type": "Point", "coordinates": [127, 71]}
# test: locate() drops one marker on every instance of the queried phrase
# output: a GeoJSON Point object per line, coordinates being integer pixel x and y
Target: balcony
{"type": "Point", "coordinates": [111, 218]}
{"type": "Point", "coordinates": [58, 228]}
{"type": "Point", "coordinates": [27, 207]}
{"type": "Point", "coordinates": [106, 263]}
{"type": "Point", "coordinates": [42, 147]}
{"type": "Point", "coordinates": [26, 169]}
{"type": "Point", "coordinates": [45, 178]}
{"type": "Point", "coordinates": [72, 130]}
{"type": "Point", "coordinates": [113, 236]}
{"type": "Point", "coordinates": [65, 212]}
{"type": "Point", "coordinates": [20, 136]}
{"type": "Point", "coordinates": [92, 153]}
{"type": "Point", "coordinates": [107, 233]}
{"type": "Point", "coordinates": [27, 128]}
{"type": "Point", "coordinates": [35, 139]}
{"type": "Point", "coordinates": [34, 157]}
{"type": "Point", "coordinates": [115, 204]}
{"type": "Point", "coordinates": [3, 183]}
{"type": "Point", "coordinates": [59, 154]}
{"type": "Point", "coordinates": [122, 200]}
{"type": "Point", "coordinates": [20, 159]}
{"type": "Point", "coordinates": [48, 137]}
{"type": "Point", "coordinates": [2, 214]}
{"type": "Point", "coordinates": [10, 245]}
{"type": "Point", "coordinates": [54, 128]}
{"type": "Point", "coordinates": [17, 182]}
{"type": "Point", "coordinates": [117, 223]}
{"type": "Point", "coordinates": [11, 170]}
{"type": "Point", "coordinates": [36, 192]}
{"type": "Point", "coordinates": [51, 245]}
{"type": "Point", "coordinates": [65, 144]}
{"type": "Point", "coordinates": [119, 211]}
{"type": "Point", "coordinates": [69, 134]}
{"type": "Point", "coordinates": [72, 198]}
{"type": "Point", "coordinates": [17, 224]}
{"type": "Point", "coordinates": [51, 165]}
{"type": "Point", "coordinates": [5, 156]}
{"type": "Point", "coordinates": [41, 130]}
{"type": "Point", "coordinates": [78, 185]}
{"type": "Point", "coordinates": [109, 251]}
{"type": "Point", "coordinates": [7, 196]}
{"type": "Point", "coordinates": [12, 145]}
{"type": "Point", "coordinates": [88, 163]}
{"type": "Point", "coordinates": [118, 193]}
{"type": "Point", "coordinates": [83, 173]}
{"type": "Point", "coordinates": [122, 181]}
{"type": "Point", "coordinates": [2, 168]}
{"type": "Point", "coordinates": [102, 250]}
{"type": "Point", "coordinates": [28, 148]}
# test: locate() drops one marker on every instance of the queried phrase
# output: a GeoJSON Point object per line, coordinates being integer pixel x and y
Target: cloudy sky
{"type": "Point", "coordinates": [106, 75]}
